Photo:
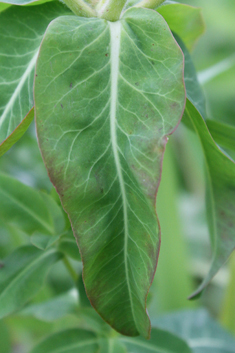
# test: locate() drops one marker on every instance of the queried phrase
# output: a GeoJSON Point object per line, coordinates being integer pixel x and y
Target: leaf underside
{"type": "Point", "coordinates": [21, 32]}
{"type": "Point", "coordinates": [106, 97]}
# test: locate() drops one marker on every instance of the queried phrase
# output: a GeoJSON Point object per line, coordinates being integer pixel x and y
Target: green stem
{"type": "Point", "coordinates": [110, 10]}
{"type": "Point", "coordinates": [70, 269]}
{"type": "Point", "coordinates": [80, 8]}
{"type": "Point", "coordinates": [150, 4]}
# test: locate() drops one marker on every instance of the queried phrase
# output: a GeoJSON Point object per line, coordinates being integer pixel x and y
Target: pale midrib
{"type": "Point", "coordinates": [115, 38]}
{"type": "Point", "coordinates": [18, 88]}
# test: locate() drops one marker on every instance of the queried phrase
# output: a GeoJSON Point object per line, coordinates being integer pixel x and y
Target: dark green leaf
{"type": "Point", "coordinates": [106, 98]}
{"type": "Point", "coordinates": [22, 275]}
{"type": "Point", "coordinates": [184, 20]}
{"type": "Point", "coordinates": [221, 190]}
{"type": "Point", "coordinates": [17, 133]}
{"type": "Point", "coordinates": [21, 32]}
{"type": "Point", "coordinates": [202, 333]}
{"type": "Point", "coordinates": [68, 246]}
{"type": "Point", "coordinates": [70, 341]}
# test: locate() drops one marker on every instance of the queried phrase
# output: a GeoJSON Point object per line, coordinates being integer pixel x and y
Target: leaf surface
{"type": "Point", "coordinates": [107, 95]}
{"type": "Point", "coordinates": [26, 208]}
{"type": "Point", "coordinates": [17, 133]}
{"type": "Point", "coordinates": [21, 32]}
{"type": "Point", "coordinates": [22, 275]}
{"type": "Point", "coordinates": [223, 134]}
{"type": "Point", "coordinates": [184, 20]}
{"type": "Point", "coordinates": [221, 190]}
{"type": "Point", "coordinates": [69, 341]}
{"type": "Point", "coordinates": [202, 333]}
{"type": "Point", "coordinates": [160, 342]}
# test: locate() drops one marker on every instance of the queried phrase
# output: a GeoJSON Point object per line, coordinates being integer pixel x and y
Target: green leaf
{"type": "Point", "coordinates": [160, 342]}
{"type": "Point", "coordinates": [17, 133]}
{"type": "Point", "coordinates": [23, 206]}
{"type": "Point", "coordinates": [21, 32]}
{"type": "Point", "coordinates": [83, 300]}
{"type": "Point", "coordinates": [5, 338]}
{"type": "Point", "coordinates": [106, 97]}
{"type": "Point", "coordinates": [68, 246]}
{"type": "Point", "coordinates": [202, 333]}
{"type": "Point", "coordinates": [221, 174]}
{"type": "Point", "coordinates": [111, 345]}
{"type": "Point", "coordinates": [43, 241]}
{"type": "Point", "coordinates": [53, 309]}
{"type": "Point", "coordinates": [223, 134]}
{"type": "Point", "coordinates": [184, 20]}
{"type": "Point", "coordinates": [22, 275]}
{"type": "Point", "coordinates": [69, 341]}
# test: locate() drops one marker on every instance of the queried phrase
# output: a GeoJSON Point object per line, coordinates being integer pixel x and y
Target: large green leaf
{"type": "Point", "coordinates": [69, 341]}
{"type": "Point", "coordinates": [201, 332]}
{"type": "Point", "coordinates": [223, 134]}
{"type": "Point", "coordinates": [22, 275]}
{"type": "Point", "coordinates": [21, 32]}
{"type": "Point", "coordinates": [184, 20]}
{"type": "Point", "coordinates": [27, 208]}
{"type": "Point", "coordinates": [160, 342]}
{"type": "Point", "coordinates": [106, 97]}
{"type": "Point", "coordinates": [221, 192]}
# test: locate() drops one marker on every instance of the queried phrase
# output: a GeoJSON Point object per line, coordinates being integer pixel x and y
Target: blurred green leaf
{"type": "Point", "coordinates": [201, 332]}
{"type": "Point", "coordinates": [22, 275]}
{"type": "Point", "coordinates": [83, 300]}
{"type": "Point", "coordinates": [21, 32]}
{"type": "Point", "coordinates": [24, 207]}
{"type": "Point", "coordinates": [68, 246]}
{"type": "Point", "coordinates": [5, 340]}
{"type": "Point", "coordinates": [160, 342]}
{"type": "Point", "coordinates": [55, 308]}
{"type": "Point", "coordinates": [43, 241]}
{"type": "Point", "coordinates": [111, 345]}
{"type": "Point", "coordinates": [69, 341]}
{"type": "Point", "coordinates": [184, 20]}
{"type": "Point", "coordinates": [223, 134]}
{"type": "Point", "coordinates": [3, 6]}
{"type": "Point", "coordinates": [221, 190]}
{"type": "Point", "coordinates": [17, 133]}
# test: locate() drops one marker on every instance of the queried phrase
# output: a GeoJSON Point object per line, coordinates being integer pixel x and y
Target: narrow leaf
{"type": "Point", "coordinates": [21, 32]}
{"type": "Point", "coordinates": [160, 342]}
{"type": "Point", "coordinates": [69, 341]}
{"type": "Point", "coordinates": [106, 98]}
{"type": "Point", "coordinates": [22, 275]}
{"type": "Point", "coordinates": [221, 174]}
{"type": "Point", "coordinates": [186, 21]}
{"type": "Point", "coordinates": [222, 133]}
{"type": "Point", "coordinates": [17, 133]}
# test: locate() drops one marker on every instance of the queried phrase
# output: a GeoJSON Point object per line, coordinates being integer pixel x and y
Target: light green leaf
{"type": "Point", "coordinates": [160, 342]}
{"type": "Point", "coordinates": [21, 32]}
{"type": "Point", "coordinates": [111, 345]}
{"type": "Point", "coordinates": [3, 6]}
{"type": "Point", "coordinates": [22, 276]}
{"type": "Point", "coordinates": [222, 133]}
{"type": "Point", "coordinates": [69, 341]}
{"type": "Point", "coordinates": [43, 241]}
{"type": "Point", "coordinates": [53, 309]}
{"type": "Point", "coordinates": [186, 21]}
{"type": "Point", "coordinates": [221, 177]}
{"type": "Point", "coordinates": [17, 133]}
{"type": "Point", "coordinates": [68, 246]}
{"type": "Point", "coordinates": [107, 95]}
{"type": "Point", "coordinates": [23, 206]}
{"type": "Point", "coordinates": [202, 333]}
{"type": "Point", "coordinates": [5, 339]}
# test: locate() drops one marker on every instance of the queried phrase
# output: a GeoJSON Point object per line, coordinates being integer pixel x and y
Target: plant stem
{"type": "Point", "coordinates": [70, 269]}
{"type": "Point", "coordinates": [150, 4]}
{"type": "Point", "coordinates": [110, 9]}
{"type": "Point", "coordinates": [80, 8]}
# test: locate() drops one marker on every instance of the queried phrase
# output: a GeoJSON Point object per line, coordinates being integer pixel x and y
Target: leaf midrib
{"type": "Point", "coordinates": [115, 39]}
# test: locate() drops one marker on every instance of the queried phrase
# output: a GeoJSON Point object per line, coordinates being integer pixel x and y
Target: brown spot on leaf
{"type": "Point", "coordinates": [62, 106]}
